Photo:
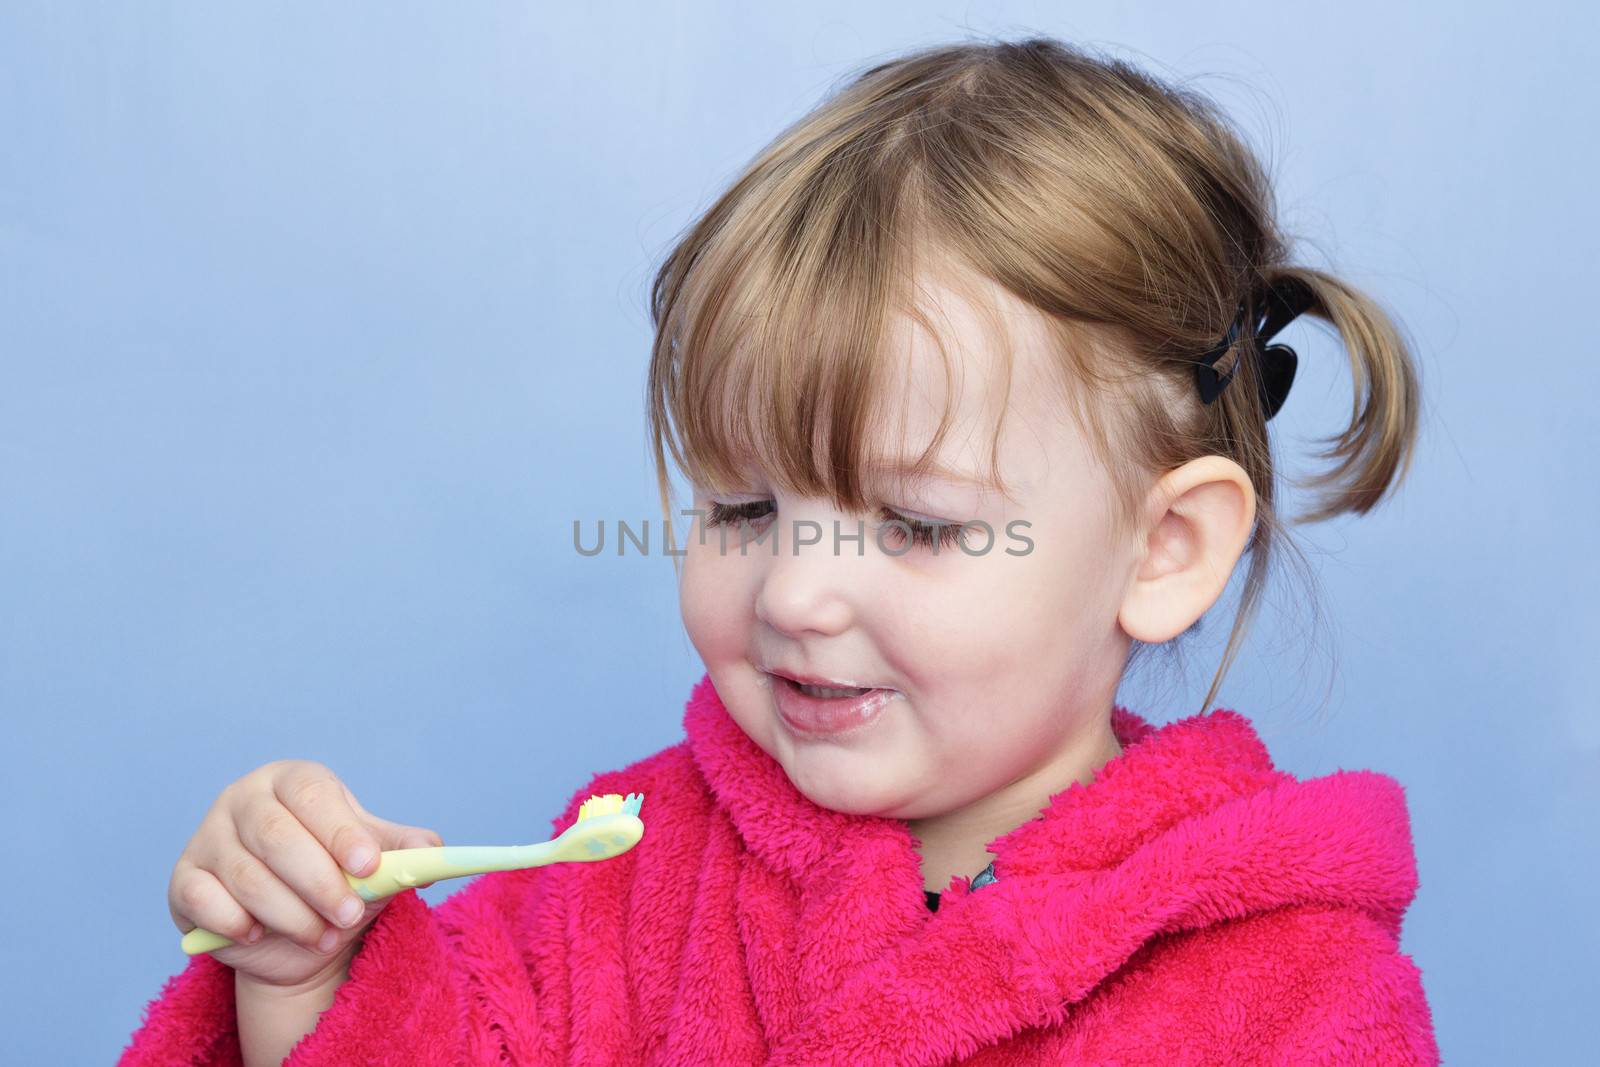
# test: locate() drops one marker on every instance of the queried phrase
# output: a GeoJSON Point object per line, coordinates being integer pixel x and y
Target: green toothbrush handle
{"type": "Point", "coordinates": [404, 868]}
{"type": "Point", "coordinates": [597, 835]}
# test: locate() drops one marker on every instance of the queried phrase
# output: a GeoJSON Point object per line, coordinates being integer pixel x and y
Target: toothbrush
{"type": "Point", "coordinates": [607, 826]}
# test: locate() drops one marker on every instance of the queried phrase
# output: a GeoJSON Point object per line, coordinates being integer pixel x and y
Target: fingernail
{"type": "Point", "coordinates": [358, 859]}
{"type": "Point", "coordinates": [254, 935]}
{"type": "Point", "coordinates": [328, 940]}
{"type": "Point", "coordinates": [349, 911]}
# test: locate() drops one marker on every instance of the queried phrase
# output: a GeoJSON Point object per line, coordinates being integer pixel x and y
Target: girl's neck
{"type": "Point", "coordinates": [955, 843]}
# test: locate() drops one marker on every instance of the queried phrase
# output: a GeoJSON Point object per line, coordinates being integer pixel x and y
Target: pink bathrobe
{"type": "Point", "coordinates": [1191, 905]}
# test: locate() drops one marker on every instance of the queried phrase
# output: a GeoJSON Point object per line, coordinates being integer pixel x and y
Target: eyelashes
{"type": "Point", "coordinates": [923, 534]}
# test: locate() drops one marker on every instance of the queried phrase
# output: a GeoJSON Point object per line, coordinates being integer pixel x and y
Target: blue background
{"type": "Point", "coordinates": [319, 325]}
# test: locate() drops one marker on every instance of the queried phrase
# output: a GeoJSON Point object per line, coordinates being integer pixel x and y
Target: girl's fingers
{"type": "Point", "coordinates": [284, 877]}
{"type": "Point", "coordinates": [322, 804]}
{"type": "Point", "coordinates": [198, 899]}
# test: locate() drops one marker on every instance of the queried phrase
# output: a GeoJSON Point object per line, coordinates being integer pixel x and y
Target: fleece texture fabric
{"type": "Point", "coordinates": [1190, 905]}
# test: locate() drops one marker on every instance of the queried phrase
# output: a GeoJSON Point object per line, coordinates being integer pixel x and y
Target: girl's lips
{"type": "Point", "coordinates": [827, 717]}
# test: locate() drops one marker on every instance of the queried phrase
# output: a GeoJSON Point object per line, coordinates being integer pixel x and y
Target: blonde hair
{"type": "Point", "coordinates": [1127, 211]}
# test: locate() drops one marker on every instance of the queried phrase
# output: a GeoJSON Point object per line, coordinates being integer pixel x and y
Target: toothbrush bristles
{"type": "Point", "coordinates": [610, 804]}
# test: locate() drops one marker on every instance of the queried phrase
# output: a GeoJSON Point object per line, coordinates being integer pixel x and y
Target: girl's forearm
{"type": "Point", "coordinates": [272, 1020]}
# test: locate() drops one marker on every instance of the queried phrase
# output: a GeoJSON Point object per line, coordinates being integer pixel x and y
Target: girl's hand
{"type": "Point", "coordinates": [265, 865]}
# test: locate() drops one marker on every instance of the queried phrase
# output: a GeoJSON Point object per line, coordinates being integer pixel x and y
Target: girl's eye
{"type": "Point", "coordinates": [733, 514]}
{"type": "Point", "coordinates": [924, 534]}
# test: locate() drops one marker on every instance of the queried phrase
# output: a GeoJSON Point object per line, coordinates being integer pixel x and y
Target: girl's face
{"type": "Point", "coordinates": [1003, 665]}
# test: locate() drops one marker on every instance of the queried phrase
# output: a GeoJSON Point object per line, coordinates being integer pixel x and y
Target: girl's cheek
{"type": "Point", "coordinates": [692, 596]}
{"type": "Point", "coordinates": [712, 602]}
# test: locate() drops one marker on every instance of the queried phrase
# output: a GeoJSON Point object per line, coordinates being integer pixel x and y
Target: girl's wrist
{"type": "Point", "coordinates": [330, 977]}
{"type": "Point", "coordinates": [273, 1018]}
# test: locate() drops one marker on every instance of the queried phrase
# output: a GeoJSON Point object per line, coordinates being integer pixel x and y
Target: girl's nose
{"type": "Point", "coordinates": [812, 590]}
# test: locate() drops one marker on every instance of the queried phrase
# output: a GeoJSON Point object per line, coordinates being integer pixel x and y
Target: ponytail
{"type": "Point", "coordinates": [1373, 453]}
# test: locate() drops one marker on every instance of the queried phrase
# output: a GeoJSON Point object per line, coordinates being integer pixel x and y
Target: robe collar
{"type": "Point", "coordinates": [1162, 775]}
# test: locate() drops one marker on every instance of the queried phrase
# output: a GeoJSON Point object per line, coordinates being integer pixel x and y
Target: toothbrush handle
{"type": "Point", "coordinates": [400, 869]}
{"type": "Point", "coordinates": [403, 868]}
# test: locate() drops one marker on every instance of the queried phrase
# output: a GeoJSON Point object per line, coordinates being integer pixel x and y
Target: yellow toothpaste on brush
{"type": "Point", "coordinates": [607, 826]}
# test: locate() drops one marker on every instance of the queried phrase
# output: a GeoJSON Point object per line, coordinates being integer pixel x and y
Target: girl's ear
{"type": "Point", "coordinates": [1199, 519]}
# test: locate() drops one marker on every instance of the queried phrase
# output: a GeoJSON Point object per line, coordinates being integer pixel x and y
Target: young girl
{"type": "Point", "coordinates": [969, 372]}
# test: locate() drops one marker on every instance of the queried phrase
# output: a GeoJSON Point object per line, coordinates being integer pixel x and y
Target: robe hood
{"type": "Point", "coordinates": [1190, 826]}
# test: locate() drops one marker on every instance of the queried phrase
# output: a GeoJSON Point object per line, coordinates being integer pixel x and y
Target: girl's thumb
{"type": "Point", "coordinates": [391, 834]}
{"type": "Point", "coordinates": [408, 835]}
{"type": "Point", "coordinates": [395, 835]}
{"type": "Point", "coordinates": [398, 835]}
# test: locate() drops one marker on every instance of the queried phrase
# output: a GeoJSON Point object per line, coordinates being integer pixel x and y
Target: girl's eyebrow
{"type": "Point", "coordinates": [904, 470]}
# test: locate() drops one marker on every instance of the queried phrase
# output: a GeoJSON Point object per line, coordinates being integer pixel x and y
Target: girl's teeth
{"type": "Point", "coordinates": [824, 693]}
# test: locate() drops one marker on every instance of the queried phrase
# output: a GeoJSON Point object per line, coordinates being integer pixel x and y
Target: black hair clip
{"type": "Point", "coordinates": [1282, 301]}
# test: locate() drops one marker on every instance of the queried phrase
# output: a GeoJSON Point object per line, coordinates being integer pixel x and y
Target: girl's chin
{"type": "Point", "coordinates": [843, 778]}
{"type": "Point", "coordinates": [829, 783]}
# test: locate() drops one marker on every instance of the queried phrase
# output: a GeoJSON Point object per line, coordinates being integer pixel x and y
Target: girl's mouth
{"type": "Point", "coordinates": [822, 711]}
